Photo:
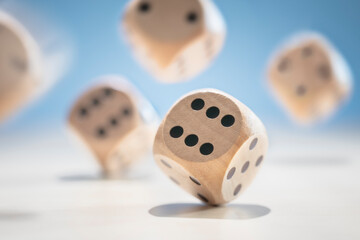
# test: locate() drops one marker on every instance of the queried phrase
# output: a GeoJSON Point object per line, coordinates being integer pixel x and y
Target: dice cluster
{"type": "Point", "coordinates": [209, 143]}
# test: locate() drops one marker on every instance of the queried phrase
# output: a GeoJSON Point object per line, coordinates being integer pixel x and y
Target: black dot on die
{"type": "Point", "coordinates": [245, 167]}
{"type": "Point", "coordinates": [191, 140]}
{"type": "Point", "coordinates": [203, 198]}
{"type": "Point", "coordinates": [228, 120]}
{"type": "Point", "coordinates": [231, 173]}
{"type": "Point", "coordinates": [108, 92]}
{"type": "Point", "coordinates": [176, 132]}
{"type": "Point", "coordinates": [126, 111]}
{"type": "Point", "coordinates": [212, 112]}
{"type": "Point", "coordinates": [95, 102]}
{"type": "Point", "coordinates": [101, 132]}
{"type": "Point", "coordinates": [144, 7]}
{"type": "Point", "coordinates": [237, 189]}
{"type": "Point", "coordinates": [174, 180]}
{"type": "Point", "coordinates": [19, 64]}
{"type": "Point", "coordinates": [253, 144]}
{"type": "Point", "coordinates": [197, 104]}
{"type": "Point", "coordinates": [83, 112]}
{"type": "Point", "coordinates": [259, 161]}
{"type": "Point", "coordinates": [307, 51]}
{"type": "Point", "coordinates": [206, 149]}
{"type": "Point", "coordinates": [301, 90]}
{"type": "Point", "coordinates": [165, 163]}
{"type": "Point", "coordinates": [284, 65]}
{"type": "Point", "coordinates": [191, 17]}
{"type": "Point", "coordinates": [195, 180]}
{"type": "Point", "coordinates": [324, 72]}
{"type": "Point", "coordinates": [114, 122]}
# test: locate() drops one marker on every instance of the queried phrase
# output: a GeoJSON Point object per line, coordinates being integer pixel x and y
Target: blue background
{"type": "Point", "coordinates": [255, 28]}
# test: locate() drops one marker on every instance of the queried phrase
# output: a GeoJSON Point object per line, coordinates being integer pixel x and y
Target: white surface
{"type": "Point", "coordinates": [50, 190]}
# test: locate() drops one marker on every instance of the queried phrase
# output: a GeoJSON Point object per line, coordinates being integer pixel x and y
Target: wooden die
{"type": "Point", "coordinates": [174, 39]}
{"type": "Point", "coordinates": [20, 64]}
{"type": "Point", "coordinates": [310, 78]}
{"type": "Point", "coordinates": [211, 145]}
{"type": "Point", "coordinates": [116, 123]}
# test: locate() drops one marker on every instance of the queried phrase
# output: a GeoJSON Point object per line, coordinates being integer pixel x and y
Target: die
{"type": "Point", "coordinates": [20, 64]}
{"type": "Point", "coordinates": [310, 78]}
{"type": "Point", "coordinates": [116, 123]}
{"type": "Point", "coordinates": [174, 39]}
{"type": "Point", "coordinates": [211, 145]}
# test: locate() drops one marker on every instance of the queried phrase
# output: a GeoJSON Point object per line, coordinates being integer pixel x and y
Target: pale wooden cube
{"type": "Point", "coordinates": [211, 145]}
{"type": "Point", "coordinates": [310, 78]}
{"type": "Point", "coordinates": [20, 64]}
{"type": "Point", "coordinates": [174, 39]}
{"type": "Point", "coordinates": [116, 123]}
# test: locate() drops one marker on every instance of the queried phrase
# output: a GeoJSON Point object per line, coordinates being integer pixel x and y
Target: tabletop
{"type": "Point", "coordinates": [308, 188]}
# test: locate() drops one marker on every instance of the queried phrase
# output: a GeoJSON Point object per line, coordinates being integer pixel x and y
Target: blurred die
{"type": "Point", "coordinates": [310, 78]}
{"type": "Point", "coordinates": [116, 123]}
{"type": "Point", "coordinates": [174, 39]}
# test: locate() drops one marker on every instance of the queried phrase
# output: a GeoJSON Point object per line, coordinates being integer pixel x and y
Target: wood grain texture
{"type": "Point", "coordinates": [20, 73]}
{"type": "Point", "coordinates": [109, 117]}
{"type": "Point", "coordinates": [203, 173]}
{"type": "Point", "coordinates": [175, 40]}
{"type": "Point", "coordinates": [308, 79]}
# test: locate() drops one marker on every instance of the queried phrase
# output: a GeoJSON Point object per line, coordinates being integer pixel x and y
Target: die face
{"type": "Point", "coordinates": [168, 21]}
{"type": "Point", "coordinates": [180, 176]}
{"type": "Point", "coordinates": [13, 60]}
{"type": "Point", "coordinates": [304, 71]}
{"type": "Point", "coordinates": [202, 127]}
{"type": "Point", "coordinates": [244, 166]}
{"type": "Point", "coordinates": [103, 116]}
{"type": "Point", "coordinates": [303, 78]}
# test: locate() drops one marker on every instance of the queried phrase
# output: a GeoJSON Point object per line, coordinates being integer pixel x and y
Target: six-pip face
{"type": "Point", "coordinates": [103, 116]}
{"type": "Point", "coordinates": [202, 127]}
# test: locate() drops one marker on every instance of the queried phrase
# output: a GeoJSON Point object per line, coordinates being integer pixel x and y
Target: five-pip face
{"type": "Point", "coordinates": [202, 127]}
{"type": "Point", "coordinates": [13, 59]}
{"type": "Point", "coordinates": [168, 20]}
{"type": "Point", "coordinates": [103, 116]}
